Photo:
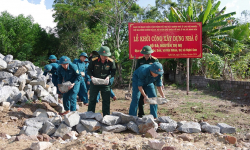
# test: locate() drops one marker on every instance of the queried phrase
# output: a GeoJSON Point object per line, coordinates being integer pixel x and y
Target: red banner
{"type": "Point", "coordinates": [168, 40]}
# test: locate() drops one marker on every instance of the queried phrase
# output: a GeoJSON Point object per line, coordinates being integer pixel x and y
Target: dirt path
{"type": "Point", "coordinates": [210, 106]}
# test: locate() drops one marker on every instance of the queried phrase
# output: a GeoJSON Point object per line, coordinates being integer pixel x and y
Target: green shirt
{"type": "Point", "coordinates": [101, 70]}
{"type": "Point", "coordinates": [142, 61]}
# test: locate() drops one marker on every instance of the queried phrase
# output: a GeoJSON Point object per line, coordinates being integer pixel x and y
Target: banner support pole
{"type": "Point", "coordinates": [187, 75]}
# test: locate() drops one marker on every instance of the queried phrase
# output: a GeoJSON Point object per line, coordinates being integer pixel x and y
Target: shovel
{"type": "Point", "coordinates": [128, 95]}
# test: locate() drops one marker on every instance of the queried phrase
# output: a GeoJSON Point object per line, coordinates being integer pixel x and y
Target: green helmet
{"type": "Point", "coordinates": [147, 50]}
{"type": "Point", "coordinates": [104, 51]}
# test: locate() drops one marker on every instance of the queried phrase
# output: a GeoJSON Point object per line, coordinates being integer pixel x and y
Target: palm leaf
{"type": "Point", "coordinates": [211, 26]}
{"type": "Point", "coordinates": [213, 10]}
{"type": "Point", "coordinates": [207, 11]}
{"type": "Point", "coordinates": [176, 13]}
{"type": "Point", "coordinates": [222, 17]}
{"type": "Point", "coordinates": [190, 10]}
{"type": "Point", "coordinates": [241, 31]}
{"type": "Point", "coordinates": [206, 46]}
{"type": "Point", "coordinates": [227, 28]}
{"type": "Point", "coordinates": [222, 11]}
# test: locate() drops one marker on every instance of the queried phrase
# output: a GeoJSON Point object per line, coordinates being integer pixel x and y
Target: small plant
{"type": "Point", "coordinates": [29, 102]}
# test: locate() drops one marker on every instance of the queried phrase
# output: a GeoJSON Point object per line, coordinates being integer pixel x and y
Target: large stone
{"type": "Point", "coordinates": [12, 81]}
{"type": "Point", "coordinates": [8, 58]}
{"type": "Point", "coordinates": [51, 114]}
{"type": "Point", "coordinates": [190, 127]}
{"type": "Point", "coordinates": [40, 145]}
{"type": "Point", "coordinates": [5, 75]}
{"type": "Point", "coordinates": [40, 119]}
{"type": "Point", "coordinates": [146, 125]}
{"type": "Point", "coordinates": [62, 130]}
{"type": "Point", "coordinates": [9, 94]}
{"type": "Point", "coordinates": [151, 133]}
{"type": "Point", "coordinates": [38, 82]}
{"type": "Point", "coordinates": [210, 128]}
{"type": "Point", "coordinates": [40, 113]}
{"type": "Point", "coordinates": [91, 115]}
{"type": "Point", "coordinates": [22, 85]}
{"type": "Point", "coordinates": [72, 118]}
{"type": "Point", "coordinates": [48, 128]}
{"type": "Point", "coordinates": [21, 70]}
{"type": "Point", "coordinates": [39, 72]}
{"type": "Point", "coordinates": [2, 56]}
{"type": "Point", "coordinates": [64, 87]}
{"type": "Point", "coordinates": [157, 100]}
{"type": "Point", "coordinates": [50, 99]}
{"type": "Point", "coordinates": [80, 127]}
{"type": "Point", "coordinates": [30, 94]}
{"type": "Point", "coordinates": [24, 99]}
{"type": "Point", "coordinates": [225, 128]}
{"type": "Point", "coordinates": [114, 128]}
{"type": "Point", "coordinates": [29, 130]}
{"type": "Point", "coordinates": [168, 127]}
{"type": "Point", "coordinates": [41, 92]}
{"type": "Point", "coordinates": [57, 120]}
{"type": "Point", "coordinates": [53, 90]}
{"type": "Point", "coordinates": [23, 77]}
{"type": "Point", "coordinates": [91, 124]}
{"type": "Point", "coordinates": [59, 108]}
{"type": "Point", "coordinates": [164, 119]}
{"type": "Point", "coordinates": [156, 144]}
{"type": "Point", "coordinates": [27, 88]}
{"type": "Point", "coordinates": [34, 123]}
{"type": "Point", "coordinates": [3, 64]}
{"type": "Point", "coordinates": [133, 127]}
{"type": "Point", "coordinates": [111, 120]}
{"type": "Point", "coordinates": [16, 96]}
{"type": "Point", "coordinates": [125, 118]}
{"type": "Point", "coordinates": [32, 74]}
{"type": "Point", "coordinates": [14, 64]}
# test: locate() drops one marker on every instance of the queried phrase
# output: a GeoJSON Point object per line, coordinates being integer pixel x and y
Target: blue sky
{"type": "Point", "coordinates": [42, 10]}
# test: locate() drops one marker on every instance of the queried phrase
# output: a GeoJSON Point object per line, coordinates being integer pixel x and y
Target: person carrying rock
{"type": "Point", "coordinates": [52, 68]}
{"type": "Point", "coordinates": [112, 94]}
{"type": "Point", "coordinates": [53, 59]}
{"type": "Point", "coordinates": [83, 92]}
{"type": "Point", "coordinates": [147, 58]}
{"type": "Point", "coordinates": [68, 71]}
{"type": "Point", "coordinates": [143, 79]}
{"type": "Point", "coordinates": [101, 67]}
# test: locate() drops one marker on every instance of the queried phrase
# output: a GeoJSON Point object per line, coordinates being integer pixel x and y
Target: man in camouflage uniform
{"type": "Point", "coordinates": [147, 58]}
{"type": "Point", "coordinates": [101, 67]}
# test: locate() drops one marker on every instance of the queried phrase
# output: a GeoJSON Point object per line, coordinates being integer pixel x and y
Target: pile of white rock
{"type": "Point", "coordinates": [53, 125]}
{"type": "Point", "coordinates": [22, 81]}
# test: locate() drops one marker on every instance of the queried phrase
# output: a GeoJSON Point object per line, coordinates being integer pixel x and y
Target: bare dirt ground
{"type": "Point", "coordinates": [231, 107]}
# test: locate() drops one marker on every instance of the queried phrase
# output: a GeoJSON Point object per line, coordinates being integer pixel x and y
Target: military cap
{"type": "Point", "coordinates": [156, 67]}
{"type": "Point", "coordinates": [146, 50]}
{"type": "Point", "coordinates": [47, 68]}
{"type": "Point", "coordinates": [64, 60]}
{"type": "Point", "coordinates": [52, 57]}
{"type": "Point", "coordinates": [104, 51]}
{"type": "Point", "coordinates": [84, 54]}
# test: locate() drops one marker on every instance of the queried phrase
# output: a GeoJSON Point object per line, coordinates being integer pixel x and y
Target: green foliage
{"type": "Point", "coordinates": [241, 67]}
{"type": "Point", "coordinates": [210, 65]}
{"type": "Point", "coordinates": [24, 39]}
